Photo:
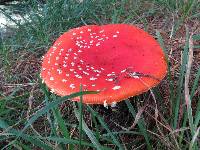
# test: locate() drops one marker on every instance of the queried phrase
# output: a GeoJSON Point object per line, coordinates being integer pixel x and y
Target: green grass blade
{"type": "Point", "coordinates": [180, 81]}
{"type": "Point", "coordinates": [123, 132]}
{"type": "Point", "coordinates": [197, 115]}
{"type": "Point", "coordinates": [62, 126]}
{"type": "Point", "coordinates": [25, 147]}
{"type": "Point", "coordinates": [104, 125]}
{"type": "Point", "coordinates": [33, 140]}
{"type": "Point", "coordinates": [86, 129]}
{"type": "Point", "coordinates": [50, 106]}
{"type": "Point", "coordinates": [96, 126]}
{"type": "Point", "coordinates": [61, 123]}
{"type": "Point", "coordinates": [195, 84]}
{"type": "Point", "coordinates": [46, 99]}
{"type": "Point", "coordinates": [80, 104]}
{"type": "Point", "coordinates": [68, 141]}
{"type": "Point", "coordinates": [169, 74]}
{"type": "Point", "coordinates": [196, 37]}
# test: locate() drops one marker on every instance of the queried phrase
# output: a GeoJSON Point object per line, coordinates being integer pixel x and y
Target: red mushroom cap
{"type": "Point", "coordinates": [118, 60]}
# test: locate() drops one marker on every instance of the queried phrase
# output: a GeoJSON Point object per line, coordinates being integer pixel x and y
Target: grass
{"type": "Point", "coordinates": [167, 117]}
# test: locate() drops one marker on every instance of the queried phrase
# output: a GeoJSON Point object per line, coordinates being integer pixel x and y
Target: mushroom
{"type": "Point", "coordinates": [118, 60]}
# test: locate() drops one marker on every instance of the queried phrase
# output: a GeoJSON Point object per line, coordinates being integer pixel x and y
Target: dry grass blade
{"type": "Point", "coordinates": [30, 102]}
{"type": "Point", "coordinates": [137, 117]}
{"type": "Point", "coordinates": [187, 76]}
{"type": "Point", "coordinates": [195, 137]}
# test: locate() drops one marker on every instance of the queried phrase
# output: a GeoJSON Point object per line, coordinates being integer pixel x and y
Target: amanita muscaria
{"type": "Point", "coordinates": [118, 60]}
